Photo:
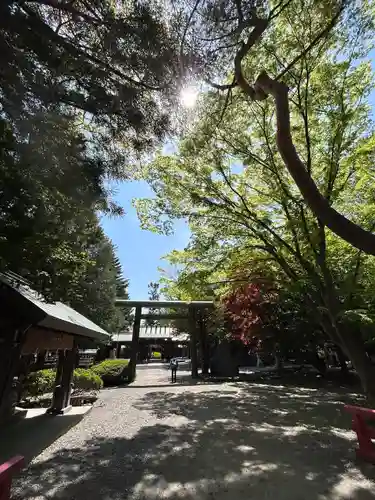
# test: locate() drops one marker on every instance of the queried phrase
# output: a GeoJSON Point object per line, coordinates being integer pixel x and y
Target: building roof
{"type": "Point", "coordinates": [152, 332]}
{"type": "Point", "coordinates": [158, 304]}
{"type": "Point", "coordinates": [53, 315]}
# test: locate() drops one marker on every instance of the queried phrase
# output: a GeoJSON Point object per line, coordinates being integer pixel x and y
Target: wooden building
{"type": "Point", "coordinates": [28, 324]}
{"type": "Point", "coordinates": [191, 311]}
{"type": "Point", "coordinates": [164, 339]}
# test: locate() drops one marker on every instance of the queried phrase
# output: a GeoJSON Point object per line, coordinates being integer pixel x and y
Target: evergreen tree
{"type": "Point", "coordinates": [113, 62]}
{"type": "Point", "coordinates": [153, 294]}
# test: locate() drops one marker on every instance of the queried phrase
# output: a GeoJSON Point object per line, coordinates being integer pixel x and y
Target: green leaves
{"type": "Point", "coordinates": [248, 221]}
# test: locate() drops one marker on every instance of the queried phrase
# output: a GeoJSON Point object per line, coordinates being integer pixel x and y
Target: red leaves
{"type": "Point", "coordinates": [247, 308]}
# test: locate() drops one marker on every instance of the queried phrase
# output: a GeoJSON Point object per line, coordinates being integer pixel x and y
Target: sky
{"type": "Point", "coordinates": [140, 252]}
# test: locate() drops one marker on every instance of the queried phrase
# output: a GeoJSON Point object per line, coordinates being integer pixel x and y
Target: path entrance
{"type": "Point", "coordinates": [151, 374]}
{"type": "Point", "coordinates": [203, 442]}
{"type": "Point", "coordinates": [158, 374]}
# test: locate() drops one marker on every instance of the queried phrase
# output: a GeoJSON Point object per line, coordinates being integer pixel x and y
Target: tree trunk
{"type": "Point", "coordinates": [204, 344]}
{"type": "Point", "coordinates": [342, 361]}
{"type": "Point", "coordinates": [135, 344]}
{"type": "Point", "coordinates": [279, 363]}
{"type": "Point", "coordinates": [354, 347]}
{"type": "Point", "coordinates": [193, 342]}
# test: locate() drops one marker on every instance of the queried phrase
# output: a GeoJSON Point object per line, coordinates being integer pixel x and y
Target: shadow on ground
{"type": "Point", "coordinates": [31, 436]}
{"type": "Point", "coordinates": [237, 441]}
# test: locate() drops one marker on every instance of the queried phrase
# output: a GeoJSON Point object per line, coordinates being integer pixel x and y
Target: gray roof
{"type": "Point", "coordinates": [151, 332]}
{"type": "Point", "coordinates": [57, 316]}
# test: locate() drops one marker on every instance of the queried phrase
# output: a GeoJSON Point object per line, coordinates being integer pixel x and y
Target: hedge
{"type": "Point", "coordinates": [112, 371]}
{"type": "Point", "coordinates": [86, 380]}
{"type": "Point", "coordinates": [39, 382]}
{"type": "Point", "coordinates": [42, 381]}
{"type": "Point", "coordinates": [156, 355]}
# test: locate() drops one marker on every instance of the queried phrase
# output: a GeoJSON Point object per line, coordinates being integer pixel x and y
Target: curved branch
{"type": "Point", "coordinates": [338, 223]}
{"type": "Point", "coordinates": [260, 26]}
{"type": "Point", "coordinates": [187, 28]}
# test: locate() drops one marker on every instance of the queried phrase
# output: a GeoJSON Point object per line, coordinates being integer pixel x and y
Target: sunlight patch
{"type": "Point", "coordinates": [245, 449]}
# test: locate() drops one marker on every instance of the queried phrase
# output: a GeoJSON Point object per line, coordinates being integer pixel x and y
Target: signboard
{"type": "Point", "coordinates": [40, 339]}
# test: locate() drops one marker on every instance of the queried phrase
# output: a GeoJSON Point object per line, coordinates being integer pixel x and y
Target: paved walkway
{"type": "Point", "coordinates": [153, 440]}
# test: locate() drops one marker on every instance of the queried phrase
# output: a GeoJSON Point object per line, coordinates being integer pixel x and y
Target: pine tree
{"type": "Point", "coordinates": [153, 294]}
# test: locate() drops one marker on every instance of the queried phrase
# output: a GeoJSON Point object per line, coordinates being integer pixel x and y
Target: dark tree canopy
{"type": "Point", "coordinates": [114, 61]}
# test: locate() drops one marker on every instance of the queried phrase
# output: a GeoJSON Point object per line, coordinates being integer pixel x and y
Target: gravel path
{"type": "Point", "coordinates": [154, 440]}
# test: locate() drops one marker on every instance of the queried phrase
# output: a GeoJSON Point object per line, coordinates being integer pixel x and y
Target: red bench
{"type": "Point", "coordinates": [7, 470]}
{"type": "Point", "coordinates": [365, 433]}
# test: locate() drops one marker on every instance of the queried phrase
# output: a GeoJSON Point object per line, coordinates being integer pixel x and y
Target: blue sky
{"type": "Point", "coordinates": [140, 252]}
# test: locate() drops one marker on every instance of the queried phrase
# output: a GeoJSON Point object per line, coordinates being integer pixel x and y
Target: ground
{"type": "Point", "coordinates": [153, 440]}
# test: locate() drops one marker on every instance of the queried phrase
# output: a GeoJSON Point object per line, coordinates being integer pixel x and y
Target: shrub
{"type": "Point", "coordinates": [38, 383]}
{"type": "Point", "coordinates": [112, 371]}
{"type": "Point", "coordinates": [156, 355]}
{"type": "Point", "coordinates": [42, 381]}
{"type": "Point", "coordinates": [86, 380]}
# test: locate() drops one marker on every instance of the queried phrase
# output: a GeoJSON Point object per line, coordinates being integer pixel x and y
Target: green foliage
{"type": "Point", "coordinates": [111, 368]}
{"type": "Point", "coordinates": [50, 234]}
{"type": "Point", "coordinates": [38, 383]}
{"type": "Point", "coordinates": [43, 381]}
{"type": "Point", "coordinates": [95, 292]}
{"type": "Point", "coordinates": [153, 294]}
{"type": "Point", "coordinates": [86, 380]}
{"type": "Point", "coordinates": [156, 355]}
{"type": "Point", "coordinates": [248, 221]}
{"type": "Point", "coordinates": [109, 63]}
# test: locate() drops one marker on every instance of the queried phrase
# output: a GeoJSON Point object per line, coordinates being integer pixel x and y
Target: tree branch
{"type": "Point", "coordinates": [339, 224]}
{"type": "Point", "coordinates": [318, 37]}
{"type": "Point", "coordinates": [193, 10]}
{"type": "Point", "coordinates": [66, 7]}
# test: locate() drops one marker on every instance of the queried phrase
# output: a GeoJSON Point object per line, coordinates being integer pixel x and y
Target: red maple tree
{"type": "Point", "coordinates": [248, 309]}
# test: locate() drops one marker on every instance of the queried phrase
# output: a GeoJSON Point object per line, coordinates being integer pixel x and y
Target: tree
{"type": "Point", "coordinates": [98, 287]}
{"type": "Point", "coordinates": [234, 28]}
{"type": "Point", "coordinates": [51, 187]}
{"type": "Point", "coordinates": [111, 63]}
{"type": "Point", "coordinates": [244, 210]}
{"type": "Point", "coordinates": [153, 294]}
{"type": "Point", "coordinates": [248, 308]}
{"type": "Point", "coordinates": [122, 285]}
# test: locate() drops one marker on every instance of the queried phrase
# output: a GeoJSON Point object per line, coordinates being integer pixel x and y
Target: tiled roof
{"type": "Point", "coordinates": [57, 316]}
{"type": "Point", "coordinates": [151, 332]}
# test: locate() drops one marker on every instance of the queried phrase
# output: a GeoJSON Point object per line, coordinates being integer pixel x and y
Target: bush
{"type": "Point", "coordinates": [156, 355]}
{"type": "Point", "coordinates": [38, 383]}
{"type": "Point", "coordinates": [42, 381]}
{"type": "Point", "coordinates": [112, 371]}
{"type": "Point", "coordinates": [86, 380]}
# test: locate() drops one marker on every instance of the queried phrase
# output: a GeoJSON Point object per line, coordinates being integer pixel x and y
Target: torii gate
{"type": "Point", "coordinates": [192, 308]}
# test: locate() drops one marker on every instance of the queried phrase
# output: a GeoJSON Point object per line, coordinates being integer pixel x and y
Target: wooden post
{"type": "Point", "coordinates": [67, 377]}
{"type": "Point", "coordinates": [64, 376]}
{"type": "Point", "coordinates": [58, 396]}
{"type": "Point", "coordinates": [11, 339]}
{"type": "Point", "coordinates": [204, 343]}
{"type": "Point", "coordinates": [135, 344]}
{"type": "Point", "coordinates": [193, 342]}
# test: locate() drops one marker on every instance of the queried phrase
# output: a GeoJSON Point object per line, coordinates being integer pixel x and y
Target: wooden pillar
{"type": "Point", "coordinates": [204, 344]}
{"type": "Point", "coordinates": [58, 396]}
{"type": "Point", "coordinates": [67, 376]}
{"type": "Point", "coordinates": [193, 342]}
{"type": "Point", "coordinates": [64, 376]}
{"type": "Point", "coordinates": [11, 339]}
{"type": "Point", "coordinates": [135, 344]}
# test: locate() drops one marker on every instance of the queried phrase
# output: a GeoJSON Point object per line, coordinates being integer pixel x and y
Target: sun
{"type": "Point", "coordinates": [188, 97]}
